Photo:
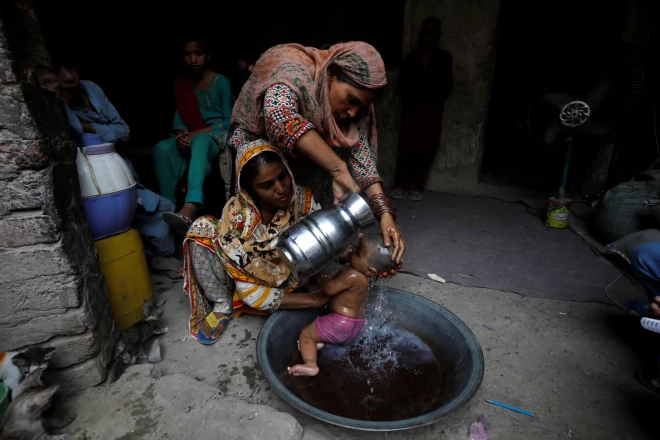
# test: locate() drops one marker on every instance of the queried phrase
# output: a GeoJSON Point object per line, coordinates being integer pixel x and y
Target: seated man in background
{"type": "Point", "coordinates": [87, 108]}
{"type": "Point", "coordinates": [89, 111]}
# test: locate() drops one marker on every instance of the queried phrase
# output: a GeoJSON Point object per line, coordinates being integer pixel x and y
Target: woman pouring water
{"type": "Point", "coordinates": [231, 265]}
{"type": "Point", "coordinates": [317, 107]}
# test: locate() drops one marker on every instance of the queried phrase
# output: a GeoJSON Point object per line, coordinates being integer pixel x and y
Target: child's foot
{"type": "Point", "coordinates": [303, 370]}
{"type": "Point", "coordinates": [319, 345]}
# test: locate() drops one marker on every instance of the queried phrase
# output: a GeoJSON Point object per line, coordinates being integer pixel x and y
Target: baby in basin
{"type": "Point", "coordinates": [349, 291]}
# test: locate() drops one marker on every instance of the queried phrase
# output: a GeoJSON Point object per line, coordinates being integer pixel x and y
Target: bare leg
{"type": "Point", "coordinates": [319, 345]}
{"type": "Point", "coordinates": [307, 342]}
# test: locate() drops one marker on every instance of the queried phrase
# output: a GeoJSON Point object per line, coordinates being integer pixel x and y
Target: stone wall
{"type": "Point", "coordinates": [51, 289]}
{"type": "Point", "coordinates": [469, 31]}
{"type": "Point", "coordinates": [388, 121]}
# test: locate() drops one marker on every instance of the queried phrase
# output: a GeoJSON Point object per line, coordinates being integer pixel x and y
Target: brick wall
{"type": "Point", "coordinates": [51, 289]}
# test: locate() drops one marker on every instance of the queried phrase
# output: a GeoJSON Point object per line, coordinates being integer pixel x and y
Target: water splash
{"type": "Point", "coordinates": [378, 310]}
{"type": "Point", "coordinates": [376, 348]}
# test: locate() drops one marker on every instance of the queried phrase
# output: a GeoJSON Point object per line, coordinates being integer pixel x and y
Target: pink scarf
{"type": "Point", "coordinates": [305, 71]}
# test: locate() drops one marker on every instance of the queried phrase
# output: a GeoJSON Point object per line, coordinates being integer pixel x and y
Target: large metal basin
{"type": "Point", "coordinates": [450, 340]}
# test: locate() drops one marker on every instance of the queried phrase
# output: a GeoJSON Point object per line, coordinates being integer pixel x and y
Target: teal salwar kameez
{"type": "Point", "coordinates": [171, 162]}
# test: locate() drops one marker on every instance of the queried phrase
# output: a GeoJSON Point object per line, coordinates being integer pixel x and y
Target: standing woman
{"type": "Point", "coordinates": [425, 82]}
{"type": "Point", "coordinates": [201, 127]}
{"type": "Point", "coordinates": [317, 106]}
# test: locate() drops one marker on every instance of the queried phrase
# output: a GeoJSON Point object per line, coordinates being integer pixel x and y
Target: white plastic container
{"type": "Point", "coordinates": [108, 190]}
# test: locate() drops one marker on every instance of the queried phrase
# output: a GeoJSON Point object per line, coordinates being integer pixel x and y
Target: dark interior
{"type": "Point", "coordinates": [136, 64]}
{"type": "Point", "coordinates": [537, 43]}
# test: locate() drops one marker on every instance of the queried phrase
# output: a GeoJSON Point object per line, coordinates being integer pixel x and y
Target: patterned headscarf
{"type": "Point", "coordinates": [305, 71]}
{"type": "Point", "coordinates": [246, 246]}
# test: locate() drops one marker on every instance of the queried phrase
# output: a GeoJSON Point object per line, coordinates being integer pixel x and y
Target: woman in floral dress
{"type": "Point", "coordinates": [231, 265]}
{"type": "Point", "coordinates": [317, 107]}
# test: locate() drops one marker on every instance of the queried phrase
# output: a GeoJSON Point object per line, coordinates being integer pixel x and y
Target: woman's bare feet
{"type": "Point", "coordinates": [219, 330]}
{"type": "Point", "coordinates": [303, 370]}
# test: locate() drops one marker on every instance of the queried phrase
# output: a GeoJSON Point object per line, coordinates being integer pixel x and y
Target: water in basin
{"type": "Point", "coordinates": [387, 374]}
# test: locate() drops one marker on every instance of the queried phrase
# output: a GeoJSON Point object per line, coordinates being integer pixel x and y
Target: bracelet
{"type": "Point", "coordinates": [381, 205]}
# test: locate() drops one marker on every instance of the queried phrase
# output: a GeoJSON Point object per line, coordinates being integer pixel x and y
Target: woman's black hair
{"type": "Point", "coordinates": [194, 37]}
{"type": "Point", "coordinates": [341, 76]}
{"type": "Point", "coordinates": [252, 168]}
{"type": "Point", "coordinates": [60, 60]}
{"type": "Point", "coordinates": [431, 20]}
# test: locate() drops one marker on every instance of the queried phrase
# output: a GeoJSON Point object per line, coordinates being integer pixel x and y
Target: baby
{"type": "Point", "coordinates": [349, 290]}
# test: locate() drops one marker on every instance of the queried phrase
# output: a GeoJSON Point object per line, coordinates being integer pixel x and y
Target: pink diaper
{"type": "Point", "coordinates": [337, 329]}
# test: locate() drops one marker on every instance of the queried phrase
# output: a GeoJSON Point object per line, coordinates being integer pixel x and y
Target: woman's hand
{"type": "Point", "coordinates": [183, 139]}
{"type": "Point", "coordinates": [342, 181]}
{"type": "Point", "coordinates": [312, 146]}
{"type": "Point", "coordinates": [392, 235]}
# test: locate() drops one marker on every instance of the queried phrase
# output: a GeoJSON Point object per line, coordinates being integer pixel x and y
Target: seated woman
{"type": "Point", "coordinates": [232, 263]}
{"type": "Point", "coordinates": [201, 124]}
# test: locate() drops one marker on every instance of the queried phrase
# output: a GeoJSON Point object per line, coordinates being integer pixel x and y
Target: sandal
{"type": "Point", "coordinates": [177, 221]}
{"type": "Point", "coordinates": [415, 195]}
{"type": "Point", "coordinates": [398, 193]}
{"type": "Point", "coordinates": [213, 322]}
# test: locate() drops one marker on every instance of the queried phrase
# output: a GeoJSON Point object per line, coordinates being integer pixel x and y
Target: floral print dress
{"type": "Point", "coordinates": [285, 125]}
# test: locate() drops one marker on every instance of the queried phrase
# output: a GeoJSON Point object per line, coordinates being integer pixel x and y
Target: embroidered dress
{"type": "Point", "coordinates": [287, 95]}
{"type": "Point", "coordinates": [243, 247]}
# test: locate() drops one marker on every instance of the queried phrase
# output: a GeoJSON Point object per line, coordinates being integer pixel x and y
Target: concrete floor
{"type": "Point", "coordinates": [572, 364]}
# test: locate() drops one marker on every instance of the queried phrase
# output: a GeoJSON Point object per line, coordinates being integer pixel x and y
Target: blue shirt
{"type": "Point", "coordinates": [104, 118]}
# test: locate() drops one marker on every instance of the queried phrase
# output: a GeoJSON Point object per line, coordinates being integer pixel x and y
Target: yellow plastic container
{"type": "Point", "coordinates": [124, 267]}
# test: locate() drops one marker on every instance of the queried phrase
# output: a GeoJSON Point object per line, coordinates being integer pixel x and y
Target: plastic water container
{"type": "Point", "coordinates": [107, 187]}
{"type": "Point", "coordinates": [126, 274]}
